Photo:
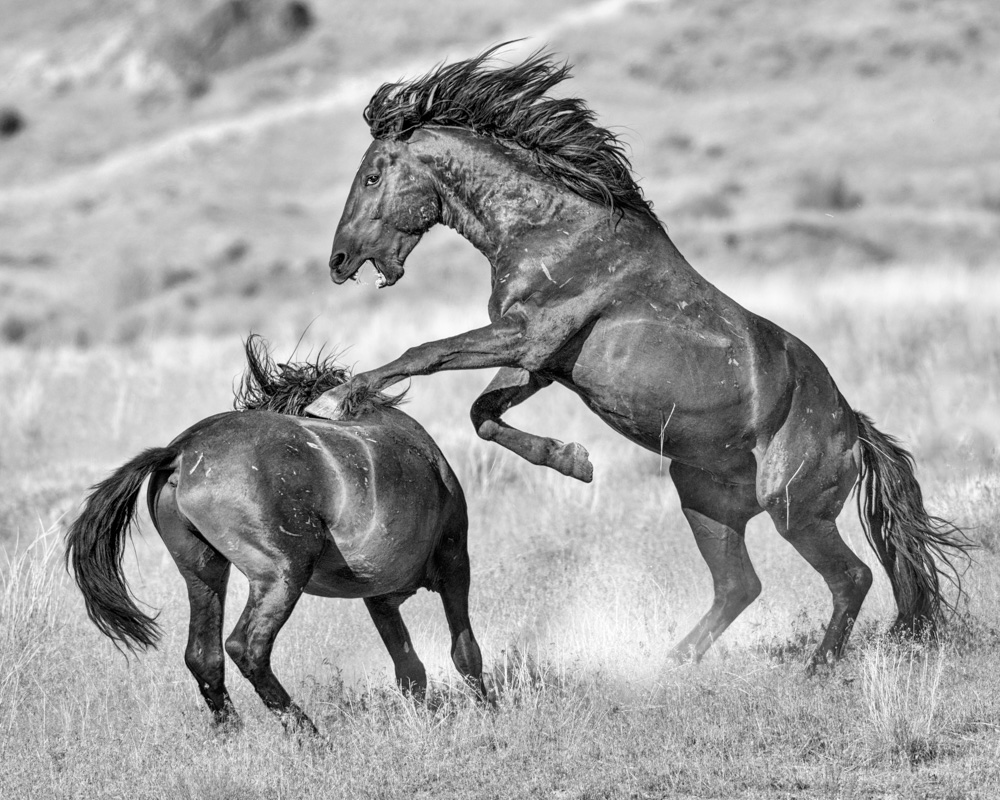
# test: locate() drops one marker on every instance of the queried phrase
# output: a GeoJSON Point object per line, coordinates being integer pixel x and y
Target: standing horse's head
{"type": "Point", "coordinates": [392, 203]}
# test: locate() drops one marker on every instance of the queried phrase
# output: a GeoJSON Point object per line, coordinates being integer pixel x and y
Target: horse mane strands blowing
{"type": "Point", "coordinates": [288, 388]}
{"type": "Point", "coordinates": [511, 104]}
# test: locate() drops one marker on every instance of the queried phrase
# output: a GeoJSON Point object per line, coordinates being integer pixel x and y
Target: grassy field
{"type": "Point", "coordinates": [836, 171]}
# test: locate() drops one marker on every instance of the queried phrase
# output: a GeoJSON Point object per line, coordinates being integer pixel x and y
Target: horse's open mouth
{"type": "Point", "coordinates": [344, 267]}
{"type": "Point", "coordinates": [386, 273]}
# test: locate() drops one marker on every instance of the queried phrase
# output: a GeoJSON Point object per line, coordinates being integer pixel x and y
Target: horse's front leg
{"type": "Point", "coordinates": [509, 387]}
{"type": "Point", "coordinates": [505, 343]}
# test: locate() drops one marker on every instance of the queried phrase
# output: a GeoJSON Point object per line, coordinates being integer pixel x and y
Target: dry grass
{"type": "Point", "coordinates": [131, 268]}
{"type": "Point", "coordinates": [578, 591]}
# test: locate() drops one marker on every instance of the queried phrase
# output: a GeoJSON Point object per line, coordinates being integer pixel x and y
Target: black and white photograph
{"type": "Point", "coordinates": [588, 400]}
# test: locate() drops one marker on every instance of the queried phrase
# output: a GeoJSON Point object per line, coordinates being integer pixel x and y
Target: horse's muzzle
{"type": "Point", "coordinates": [340, 269]}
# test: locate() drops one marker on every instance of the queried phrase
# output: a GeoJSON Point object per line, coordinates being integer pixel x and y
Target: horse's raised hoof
{"type": "Point", "coordinates": [573, 460]}
{"type": "Point", "coordinates": [330, 404]}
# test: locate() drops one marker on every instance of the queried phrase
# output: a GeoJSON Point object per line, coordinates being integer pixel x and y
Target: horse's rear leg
{"type": "Point", "coordinates": [206, 573]}
{"type": "Point", "coordinates": [804, 488]}
{"type": "Point", "coordinates": [453, 584]}
{"type": "Point", "coordinates": [410, 673]}
{"type": "Point", "coordinates": [272, 598]}
{"type": "Point", "coordinates": [204, 655]}
{"type": "Point", "coordinates": [718, 514]}
{"type": "Point", "coordinates": [509, 387]}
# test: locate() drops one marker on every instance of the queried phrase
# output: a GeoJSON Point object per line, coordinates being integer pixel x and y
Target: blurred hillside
{"type": "Point", "coordinates": [182, 166]}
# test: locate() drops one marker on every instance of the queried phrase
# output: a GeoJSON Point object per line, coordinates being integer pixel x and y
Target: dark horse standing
{"type": "Point", "coordinates": [366, 507]}
{"type": "Point", "coordinates": [589, 291]}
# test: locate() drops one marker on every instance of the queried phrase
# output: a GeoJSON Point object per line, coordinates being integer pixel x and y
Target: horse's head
{"type": "Point", "coordinates": [393, 202]}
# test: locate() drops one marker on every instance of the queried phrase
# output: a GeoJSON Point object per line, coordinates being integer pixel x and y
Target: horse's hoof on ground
{"type": "Point", "coordinates": [681, 658]}
{"type": "Point", "coordinates": [820, 664]}
{"type": "Point", "coordinates": [227, 725]}
{"type": "Point", "coordinates": [573, 460]}
{"type": "Point", "coordinates": [486, 696]}
{"type": "Point", "coordinates": [298, 725]}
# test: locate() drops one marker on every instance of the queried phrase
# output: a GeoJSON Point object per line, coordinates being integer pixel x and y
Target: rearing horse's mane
{"type": "Point", "coordinates": [510, 104]}
{"type": "Point", "coordinates": [289, 388]}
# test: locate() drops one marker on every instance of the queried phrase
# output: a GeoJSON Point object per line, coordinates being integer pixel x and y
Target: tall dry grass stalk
{"type": "Point", "coordinates": [900, 684]}
{"type": "Point", "coordinates": [31, 611]}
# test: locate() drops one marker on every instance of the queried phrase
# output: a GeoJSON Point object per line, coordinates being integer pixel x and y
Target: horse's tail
{"type": "Point", "coordinates": [916, 549]}
{"type": "Point", "coordinates": [94, 547]}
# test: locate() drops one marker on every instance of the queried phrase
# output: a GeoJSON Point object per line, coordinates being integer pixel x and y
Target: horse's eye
{"type": "Point", "coordinates": [371, 180]}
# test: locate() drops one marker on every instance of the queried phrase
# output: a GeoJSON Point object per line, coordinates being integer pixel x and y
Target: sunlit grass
{"type": "Point", "coordinates": [578, 592]}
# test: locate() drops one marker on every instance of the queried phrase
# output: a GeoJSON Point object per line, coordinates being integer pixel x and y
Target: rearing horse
{"type": "Point", "coordinates": [589, 291]}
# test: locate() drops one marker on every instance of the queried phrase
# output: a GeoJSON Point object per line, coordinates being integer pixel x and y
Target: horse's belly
{"type": "Point", "coordinates": [676, 392]}
{"type": "Point", "coordinates": [384, 533]}
{"type": "Point", "coordinates": [378, 560]}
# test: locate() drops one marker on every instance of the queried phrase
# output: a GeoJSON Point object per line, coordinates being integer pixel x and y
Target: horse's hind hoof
{"type": "Point", "coordinates": [821, 663]}
{"type": "Point", "coordinates": [227, 723]}
{"type": "Point", "coordinates": [573, 460]}
{"type": "Point", "coordinates": [297, 723]}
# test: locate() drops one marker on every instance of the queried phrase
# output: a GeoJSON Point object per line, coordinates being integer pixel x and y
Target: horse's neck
{"type": "Point", "coordinates": [493, 199]}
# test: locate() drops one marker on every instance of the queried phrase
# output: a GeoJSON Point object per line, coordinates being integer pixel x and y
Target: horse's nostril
{"type": "Point", "coordinates": [337, 260]}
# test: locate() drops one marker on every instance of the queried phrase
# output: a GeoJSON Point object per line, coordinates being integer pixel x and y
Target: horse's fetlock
{"type": "Point", "coordinates": [487, 429]}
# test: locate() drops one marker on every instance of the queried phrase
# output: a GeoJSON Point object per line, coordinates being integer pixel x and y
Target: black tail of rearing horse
{"type": "Point", "coordinates": [94, 547]}
{"type": "Point", "coordinates": [915, 548]}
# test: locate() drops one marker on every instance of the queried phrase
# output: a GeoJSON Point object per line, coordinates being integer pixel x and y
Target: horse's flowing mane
{"type": "Point", "coordinates": [510, 104]}
{"type": "Point", "coordinates": [289, 388]}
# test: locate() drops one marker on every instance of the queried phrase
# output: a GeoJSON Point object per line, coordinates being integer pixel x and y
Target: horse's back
{"type": "Point", "coordinates": [361, 503]}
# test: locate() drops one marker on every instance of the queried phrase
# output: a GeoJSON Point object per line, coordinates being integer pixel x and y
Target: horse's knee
{"type": "Point", "coordinates": [236, 646]}
{"type": "Point", "coordinates": [206, 665]}
{"type": "Point", "coordinates": [862, 577]}
{"type": "Point", "coordinates": [483, 409]}
{"type": "Point", "coordinates": [853, 583]}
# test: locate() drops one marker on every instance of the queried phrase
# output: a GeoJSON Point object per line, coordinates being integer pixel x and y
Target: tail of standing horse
{"type": "Point", "coordinates": [916, 549]}
{"type": "Point", "coordinates": [94, 547]}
